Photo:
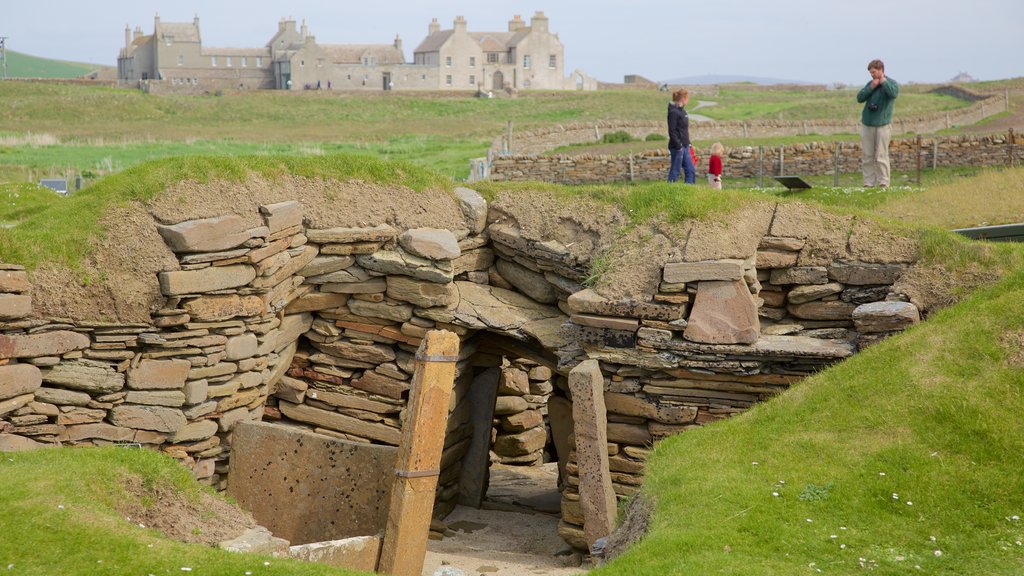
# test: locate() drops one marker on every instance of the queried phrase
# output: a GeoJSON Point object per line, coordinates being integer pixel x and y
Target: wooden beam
{"type": "Point", "coordinates": [419, 456]}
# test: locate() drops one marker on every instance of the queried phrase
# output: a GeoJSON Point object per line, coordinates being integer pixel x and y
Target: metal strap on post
{"type": "Point", "coordinates": [436, 358]}
{"type": "Point", "coordinates": [417, 473]}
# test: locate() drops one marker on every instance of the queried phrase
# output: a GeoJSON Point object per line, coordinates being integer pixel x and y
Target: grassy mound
{"type": "Point", "coordinates": [903, 459]}
{"type": "Point", "coordinates": [62, 516]}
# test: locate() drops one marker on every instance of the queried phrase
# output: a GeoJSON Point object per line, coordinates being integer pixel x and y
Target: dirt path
{"type": "Point", "coordinates": [514, 534]}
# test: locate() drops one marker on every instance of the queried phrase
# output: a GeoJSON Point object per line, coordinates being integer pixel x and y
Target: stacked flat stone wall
{"type": "Point", "coordinates": [318, 328]}
{"type": "Point", "coordinates": [811, 159]}
{"type": "Point", "coordinates": [543, 140]}
{"type": "Point", "coordinates": [520, 432]}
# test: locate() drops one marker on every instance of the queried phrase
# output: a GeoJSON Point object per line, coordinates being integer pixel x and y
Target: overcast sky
{"type": "Point", "coordinates": [811, 40]}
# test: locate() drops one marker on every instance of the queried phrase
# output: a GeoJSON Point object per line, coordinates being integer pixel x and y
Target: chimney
{"type": "Point", "coordinates": [305, 30]}
{"type": "Point", "coordinates": [398, 44]}
{"type": "Point", "coordinates": [195, 21]}
{"type": "Point", "coordinates": [539, 22]}
{"type": "Point", "coordinates": [156, 22]}
{"type": "Point", "coordinates": [137, 33]}
{"type": "Point", "coordinates": [310, 40]}
{"type": "Point", "coordinates": [434, 27]}
{"type": "Point", "coordinates": [516, 23]}
{"type": "Point", "coordinates": [460, 25]}
{"type": "Point", "coordinates": [127, 37]}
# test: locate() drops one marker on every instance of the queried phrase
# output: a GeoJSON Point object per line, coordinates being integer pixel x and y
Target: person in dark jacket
{"type": "Point", "coordinates": [679, 139]}
{"type": "Point", "coordinates": [878, 97]}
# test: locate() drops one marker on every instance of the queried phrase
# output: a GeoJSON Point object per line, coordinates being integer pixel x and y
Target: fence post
{"type": "Point", "coordinates": [835, 174]}
{"type": "Point", "coordinates": [918, 141]}
{"type": "Point", "coordinates": [419, 455]}
{"type": "Point", "coordinates": [947, 120]}
{"type": "Point", "coordinates": [509, 136]}
{"type": "Point", "coordinates": [935, 153]}
{"type": "Point", "coordinates": [782, 159]}
{"type": "Point", "coordinates": [760, 166]}
{"type": "Point", "coordinates": [1010, 138]}
{"type": "Point", "coordinates": [631, 173]}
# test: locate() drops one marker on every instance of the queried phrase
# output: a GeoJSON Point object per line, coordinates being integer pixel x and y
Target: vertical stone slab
{"type": "Point", "coordinates": [590, 420]}
{"type": "Point", "coordinates": [483, 394]}
{"type": "Point", "coordinates": [560, 420]}
{"type": "Point", "coordinates": [724, 312]}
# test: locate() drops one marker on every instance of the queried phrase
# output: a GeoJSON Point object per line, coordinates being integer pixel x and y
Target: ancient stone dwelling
{"type": "Point", "coordinates": [270, 315]}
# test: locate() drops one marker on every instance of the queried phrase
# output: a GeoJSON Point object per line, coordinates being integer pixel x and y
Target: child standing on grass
{"type": "Point", "coordinates": [715, 166]}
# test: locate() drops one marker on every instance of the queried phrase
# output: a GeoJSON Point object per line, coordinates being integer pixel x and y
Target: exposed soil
{"type": "Point", "coordinates": [1013, 342]}
{"type": "Point", "coordinates": [208, 520]}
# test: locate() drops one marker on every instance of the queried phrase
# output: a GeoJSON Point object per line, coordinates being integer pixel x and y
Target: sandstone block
{"type": "Point", "coordinates": [531, 283]}
{"type": "Point", "coordinates": [155, 418]}
{"type": "Point", "coordinates": [215, 308]}
{"type": "Point", "coordinates": [159, 374]}
{"type": "Point", "coordinates": [193, 432]}
{"type": "Point", "coordinates": [241, 347]}
{"type": "Point", "coordinates": [18, 380]}
{"type": "Point", "coordinates": [14, 443]}
{"type": "Point", "coordinates": [62, 397]}
{"type": "Point", "coordinates": [419, 292]}
{"type": "Point", "coordinates": [11, 404]}
{"type": "Point", "coordinates": [341, 423]}
{"type": "Point", "coordinates": [181, 282]}
{"type": "Point", "coordinates": [822, 310]}
{"type": "Point", "coordinates": [56, 343]}
{"type": "Point", "coordinates": [506, 405]}
{"type": "Point", "coordinates": [513, 381]}
{"type": "Point", "coordinates": [802, 294]}
{"type": "Point", "coordinates": [775, 259]}
{"type": "Point", "coordinates": [14, 306]}
{"type": "Point", "coordinates": [196, 391]}
{"type": "Point", "coordinates": [432, 243]}
{"type": "Point", "coordinates": [14, 281]}
{"type": "Point", "coordinates": [85, 375]}
{"type": "Point", "coordinates": [292, 326]}
{"type": "Point", "coordinates": [172, 398]}
{"type": "Point", "coordinates": [281, 215]}
{"type": "Point", "coordinates": [861, 274]}
{"type": "Point", "coordinates": [590, 428]}
{"type": "Point", "coordinates": [885, 316]}
{"type": "Point", "coordinates": [473, 260]}
{"type": "Point", "coordinates": [590, 302]}
{"type": "Point", "coordinates": [407, 264]}
{"type": "Point", "coordinates": [97, 431]}
{"type": "Point", "coordinates": [232, 417]}
{"type": "Point", "coordinates": [594, 321]}
{"type": "Point", "coordinates": [799, 275]}
{"type": "Point", "coordinates": [679, 272]}
{"type": "Point", "coordinates": [723, 313]}
{"type": "Point", "coordinates": [521, 444]}
{"type": "Point", "coordinates": [521, 422]}
{"type": "Point", "coordinates": [325, 265]}
{"type": "Point", "coordinates": [384, 310]}
{"type": "Point", "coordinates": [341, 235]}
{"type": "Point", "coordinates": [205, 235]}
{"type": "Point", "coordinates": [473, 207]}
{"type": "Point", "coordinates": [316, 301]}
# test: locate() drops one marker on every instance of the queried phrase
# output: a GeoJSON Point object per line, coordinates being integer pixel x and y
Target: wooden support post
{"type": "Point", "coordinates": [419, 455]}
{"type": "Point", "coordinates": [935, 153]}
{"type": "Point", "coordinates": [508, 137]}
{"type": "Point", "coordinates": [918, 150]}
{"type": "Point", "coordinates": [782, 160]}
{"type": "Point", "coordinates": [835, 170]}
{"type": "Point", "coordinates": [760, 166]}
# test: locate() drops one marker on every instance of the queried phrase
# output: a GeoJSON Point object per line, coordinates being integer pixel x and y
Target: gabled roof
{"type": "Point", "coordinates": [433, 42]}
{"type": "Point", "coordinates": [236, 51]}
{"type": "Point", "coordinates": [492, 41]}
{"type": "Point", "coordinates": [353, 53]}
{"type": "Point", "coordinates": [181, 32]}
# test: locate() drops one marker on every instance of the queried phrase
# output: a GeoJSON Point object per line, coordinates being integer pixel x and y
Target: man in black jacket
{"type": "Point", "coordinates": [679, 139]}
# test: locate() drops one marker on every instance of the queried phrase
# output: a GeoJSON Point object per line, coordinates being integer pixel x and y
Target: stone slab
{"type": "Point", "coordinates": [723, 313]}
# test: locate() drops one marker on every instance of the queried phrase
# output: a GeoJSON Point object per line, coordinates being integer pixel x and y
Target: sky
{"type": "Point", "coordinates": [821, 41]}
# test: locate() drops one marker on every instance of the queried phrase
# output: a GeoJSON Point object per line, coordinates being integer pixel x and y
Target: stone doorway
{"type": "Point", "coordinates": [498, 81]}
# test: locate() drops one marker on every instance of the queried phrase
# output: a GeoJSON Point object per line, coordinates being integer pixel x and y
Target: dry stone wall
{"type": "Point", "coordinates": [816, 158]}
{"type": "Point", "coordinates": [318, 328]}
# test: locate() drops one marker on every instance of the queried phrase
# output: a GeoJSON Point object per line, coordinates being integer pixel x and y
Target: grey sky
{"type": "Point", "coordinates": [813, 40]}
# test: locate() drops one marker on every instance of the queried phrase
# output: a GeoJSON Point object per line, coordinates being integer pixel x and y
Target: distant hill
{"type": "Point", "coordinates": [21, 65]}
{"type": "Point", "coordinates": [730, 79]}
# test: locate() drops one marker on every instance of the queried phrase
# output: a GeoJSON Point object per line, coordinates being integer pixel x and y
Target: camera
{"type": "Point", "coordinates": [873, 106]}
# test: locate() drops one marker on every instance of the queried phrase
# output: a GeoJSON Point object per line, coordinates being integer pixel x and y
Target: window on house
{"type": "Point", "coordinates": [526, 61]}
{"type": "Point", "coordinates": [259, 61]}
{"type": "Point", "coordinates": [229, 61]}
{"type": "Point", "coordinates": [213, 61]}
{"type": "Point", "coordinates": [472, 80]}
{"type": "Point", "coordinates": [181, 59]}
{"type": "Point", "coordinates": [245, 61]}
{"type": "Point", "coordinates": [553, 61]}
{"type": "Point", "coordinates": [302, 63]}
{"type": "Point", "coordinates": [448, 80]}
{"type": "Point", "coordinates": [492, 58]}
{"type": "Point", "coordinates": [169, 40]}
{"type": "Point", "coordinates": [472, 61]}
{"type": "Point", "coordinates": [348, 77]}
{"type": "Point", "coordinates": [448, 61]}
{"type": "Point", "coordinates": [423, 77]}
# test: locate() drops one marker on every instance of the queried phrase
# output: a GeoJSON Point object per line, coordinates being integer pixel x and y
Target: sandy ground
{"type": "Point", "coordinates": [503, 542]}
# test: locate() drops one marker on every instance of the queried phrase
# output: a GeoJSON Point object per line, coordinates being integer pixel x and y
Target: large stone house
{"type": "Point", "coordinates": [523, 57]}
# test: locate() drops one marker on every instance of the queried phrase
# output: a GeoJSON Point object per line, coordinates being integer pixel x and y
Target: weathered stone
{"type": "Point", "coordinates": [292, 326]}
{"type": "Point", "coordinates": [781, 243]}
{"type": "Point", "coordinates": [341, 423]}
{"type": "Point", "coordinates": [215, 308]}
{"type": "Point", "coordinates": [680, 272]}
{"type": "Point", "coordinates": [627, 324]}
{"type": "Point", "coordinates": [159, 374]}
{"type": "Point", "coordinates": [14, 306]}
{"type": "Point", "coordinates": [474, 208]}
{"type": "Point", "coordinates": [14, 443]}
{"type": "Point", "coordinates": [371, 353]}
{"type": "Point", "coordinates": [513, 381]}
{"type": "Point", "coordinates": [380, 384]}
{"type": "Point", "coordinates": [419, 292]}
{"type": "Point", "coordinates": [531, 283]}
{"type": "Point", "coordinates": [356, 553]}
{"type": "Point", "coordinates": [212, 371]}
{"type": "Point", "coordinates": [281, 215]}
{"type": "Point", "coordinates": [630, 405]}
{"type": "Point", "coordinates": [85, 375]}
{"type": "Point", "coordinates": [15, 403]}
{"type": "Point", "coordinates": [399, 262]}
{"type": "Point", "coordinates": [352, 274]}
{"type": "Point", "coordinates": [486, 306]}
{"type": "Point", "coordinates": [372, 286]}
{"type": "Point", "coordinates": [822, 310]}
{"type": "Point", "coordinates": [181, 282]}
{"type": "Point", "coordinates": [291, 389]}
{"type": "Point", "coordinates": [241, 347]}
{"type": "Point", "coordinates": [506, 405]}
{"type": "Point", "coordinates": [885, 316]}
{"type": "Point", "coordinates": [802, 294]}
{"type": "Point", "coordinates": [520, 444]}
{"type": "Point", "coordinates": [56, 343]}
{"type": "Point", "coordinates": [156, 418]}
{"type": "Point", "coordinates": [473, 260]}
{"type": "Point", "coordinates": [205, 235]}
{"type": "Point", "coordinates": [14, 281]}
{"type": "Point", "coordinates": [196, 391]}
{"type": "Point", "coordinates": [172, 398]}
{"type": "Point", "coordinates": [723, 313]}
{"type": "Point", "coordinates": [97, 431]}
{"type": "Point", "coordinates": [862, 274]}
{"type": "Point", "coordinates": [256, 540]}
{"type": "Point", "coordinates": [340, 400]}
{"type": "Point", "coordinates": [289, 269]}
{"type": "Point", "coordinates": [62, 397]}
{"type": "Point", "coordinates": [19, 379]}
{"type": "Point", "coordinates": [775, 259]}
{"type": "Point", "coordinates": [525, 420]}
{"type": "Point", "coordinates": [385, 310]}
{"type": "Point", "coordinates": [865, 294]}
{"type": "Point", "coordinates": [432, 243]}
{"type": "Point", "coordinates": [379, 233]}
{"type": "Point", "coordinates": [590, 425]}
{"type": "Point", "coordinates": [632, 434]}
{"type": "Point", "coordinates": [316, 301]}
{"type": "Point", "coordinates": [799, 275]}
{"type": "Point", "coordinates": [325, 265]}
{"type": "Point", "coordinates": [590, 302]}
{"type": "Point", "coordinates": [232, 417]}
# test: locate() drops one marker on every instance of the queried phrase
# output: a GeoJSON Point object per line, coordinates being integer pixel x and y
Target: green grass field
{"type": "Point", "coordinates": [27, 66]}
